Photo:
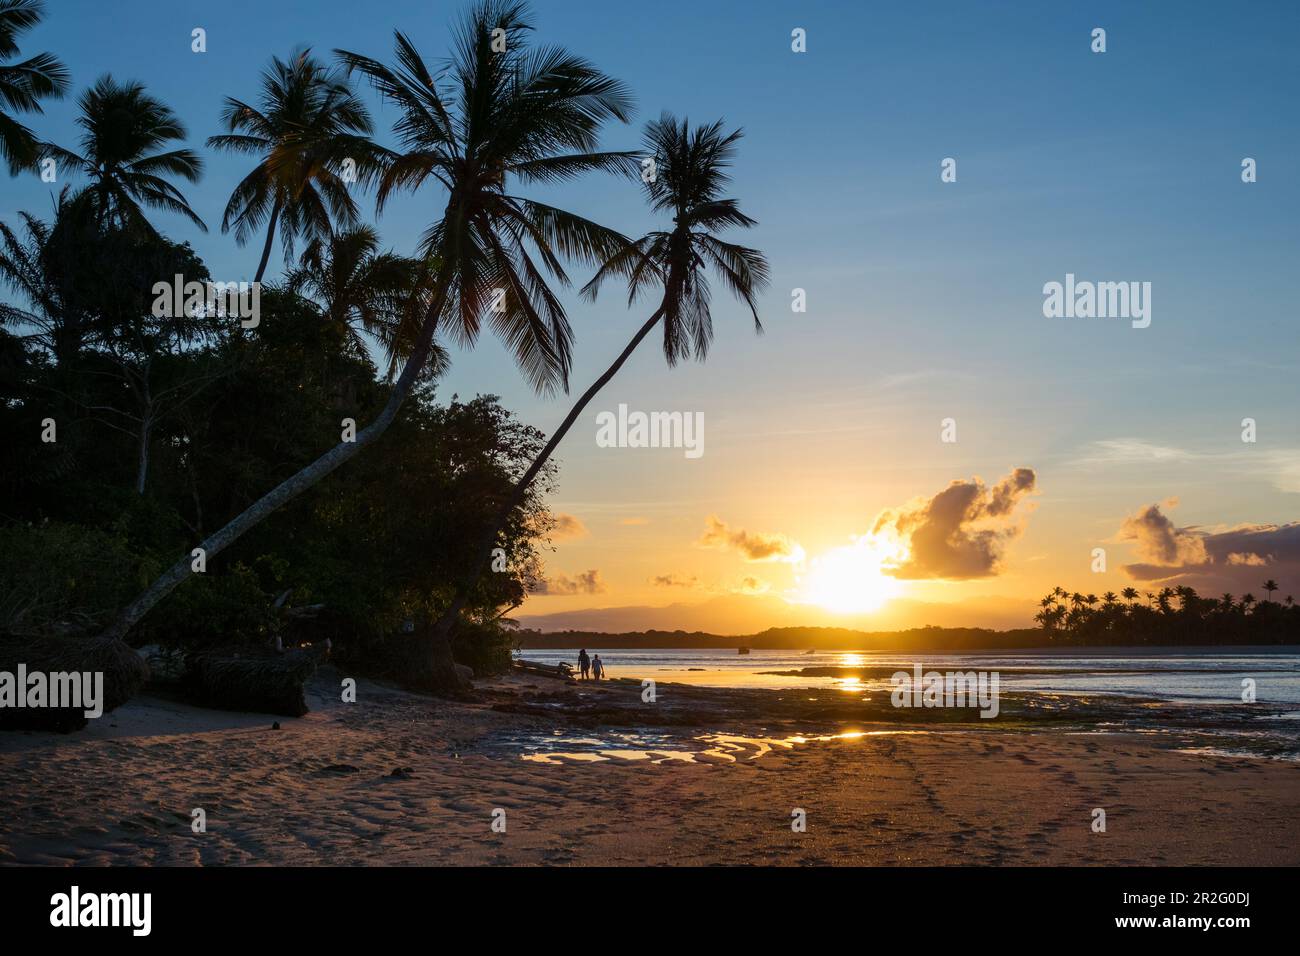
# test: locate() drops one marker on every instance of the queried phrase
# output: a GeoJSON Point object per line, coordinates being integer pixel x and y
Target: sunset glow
{"type": "Point", "coordinates": [849, 580]}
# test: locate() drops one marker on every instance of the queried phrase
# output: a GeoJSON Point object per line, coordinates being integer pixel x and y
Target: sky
{"type": "Point", "coordinates": [825, 493]}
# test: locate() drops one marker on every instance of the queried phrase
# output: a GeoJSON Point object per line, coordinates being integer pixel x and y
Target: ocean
{"type": "Point", "coordinates": [1193, 675]}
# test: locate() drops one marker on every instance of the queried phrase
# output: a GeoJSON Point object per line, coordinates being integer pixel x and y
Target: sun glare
{"type": "Point", "coordinates": [849, 579]}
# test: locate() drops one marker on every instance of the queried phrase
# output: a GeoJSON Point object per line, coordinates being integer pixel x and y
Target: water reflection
{"type": "Point", "coordinates": [709, 748]}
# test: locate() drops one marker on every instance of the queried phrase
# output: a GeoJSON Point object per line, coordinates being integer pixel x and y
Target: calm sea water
{"type": "Point", "coordinates": [1174, 674]}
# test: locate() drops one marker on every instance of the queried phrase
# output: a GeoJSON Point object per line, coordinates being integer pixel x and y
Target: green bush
{"type": "Point", "coordinates": [63, 579]}
{"type": "Point", "coordinates": [485, 648]}
{"type": "Point", "coordinates": [214, 610]}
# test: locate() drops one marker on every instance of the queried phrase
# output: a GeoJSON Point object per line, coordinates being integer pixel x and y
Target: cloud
{"type": "Point", "coordinates": [567, 526]}
{"type": "Point", "coordinates": [754, 545]}
{"type": "Point", "coordinates": [1131, 451]}
{"type": "Point", "coordinates": [960, 533]}
{"type": "Point", "coordinates": [1158, 542]}
{"type": "Point", "coordinates": [1209, 559]}
{"type": "Point", "coordinates": [1280, 467]}
{"type": "Point", "coordinates": [588, 582]}
{"type": "Point", "coordinates": [748, 585]}
{"type": "Point", "coordinates": [675, 581]}
{"type": "Point", "coordinates": [1247, 559]}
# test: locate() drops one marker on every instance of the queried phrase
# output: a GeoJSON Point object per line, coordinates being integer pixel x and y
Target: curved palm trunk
{"type": "Point", "coordinates": [441, 632]}
{"type": "Point", "coordinates": [292, 487]}
{"type": "Point", "coordinates": [270, 239]}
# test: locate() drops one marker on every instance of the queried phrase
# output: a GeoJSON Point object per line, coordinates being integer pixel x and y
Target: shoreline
{"type": "Point", "coordinates": [1117, 650]}
{"type": "Point", "coordinates": [399, 778]}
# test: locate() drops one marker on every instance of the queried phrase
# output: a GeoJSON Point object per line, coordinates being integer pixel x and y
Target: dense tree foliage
{"type": "Point", "coordinates": [1170, 616]}
{"type": "Point", "coordinates": [164, 428]}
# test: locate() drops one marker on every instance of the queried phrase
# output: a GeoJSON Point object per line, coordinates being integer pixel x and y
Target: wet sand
{"type": "Point", "coordinates": [402, 779]}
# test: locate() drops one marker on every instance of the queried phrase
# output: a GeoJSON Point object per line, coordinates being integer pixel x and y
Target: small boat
{"type": "Point", "coordinates": [742, 650]}
{"type": "Point", "coordinates": [806, 653]}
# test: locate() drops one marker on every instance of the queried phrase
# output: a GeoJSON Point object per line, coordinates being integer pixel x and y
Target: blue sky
{"type": "Point", "coordinates": [924, 298]}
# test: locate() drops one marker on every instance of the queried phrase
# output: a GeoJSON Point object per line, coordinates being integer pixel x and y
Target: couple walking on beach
{"type": "Point", "coordinates": [590, 665]}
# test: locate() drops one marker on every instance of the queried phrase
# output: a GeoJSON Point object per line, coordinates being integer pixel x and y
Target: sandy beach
{"type": "Point", "coordinates": [398, 778]}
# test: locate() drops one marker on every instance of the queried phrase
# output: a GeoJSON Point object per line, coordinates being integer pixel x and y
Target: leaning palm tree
{"type": "Point", "coordinates": [308, 125]}
{"type": "Point", "coordinates": [23, 85]}
{"type": "Point", "coordinates": [494, 119]}
{"type": "Point", "coordinates": [362, 291]}
{"type": "Point", "coordinates": [689, 181]}
{"type": "Point", "coordinates": [123, 127]}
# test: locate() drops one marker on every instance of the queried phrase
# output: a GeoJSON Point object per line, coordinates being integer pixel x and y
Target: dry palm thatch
{"type": "Point", "coordinates": [269, 684]}
{"type": "Point", "coordinates": [125, 673]}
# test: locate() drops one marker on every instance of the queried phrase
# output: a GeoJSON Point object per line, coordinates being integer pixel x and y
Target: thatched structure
{"type": "Point", "coordinates": [125, 673]}
{"type": "Point", "coordinates": [266, 683]}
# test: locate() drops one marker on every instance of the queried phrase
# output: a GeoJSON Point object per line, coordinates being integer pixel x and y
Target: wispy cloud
{"type": "Point", "coordinates": [1281, 466]}
{"type": "Point", "coordinates": [1119, 451]}
{"type": "Point", "coordinates": [675, 581]}
{"type": "Point", "coordinates": [567, 526]}
{"type": "Point", "coordinates": [754, 545]}
{"type": "Point", "coordinates": [587, 582]}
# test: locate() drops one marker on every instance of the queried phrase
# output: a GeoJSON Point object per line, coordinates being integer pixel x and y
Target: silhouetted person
{"type": "Point", "coordinates": [584, 663]}
{"type": "Point", "coordinates": [597, 667]}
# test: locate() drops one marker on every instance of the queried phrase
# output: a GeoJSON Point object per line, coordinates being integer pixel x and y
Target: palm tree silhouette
{"type": "Point", "coordinates": [23, 85]}
{"type": "Point", "coordinates": [362, 290]}
{"type": "Point", "coordinates": [56, 321]}
{"type": "Point", "coordinates": [530, 115]}
{"type": "Point", "coordinates": [122, 129]}
{"type": "Point", "coordinates": [1270, 586]}
{"type": "Point", "coordinates": [308, 125]}
{"type": "Point", "coordinates": [690, 177]}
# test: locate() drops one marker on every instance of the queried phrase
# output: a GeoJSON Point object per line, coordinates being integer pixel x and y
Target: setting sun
{"type": "Point", "coordinates": [849, 580]}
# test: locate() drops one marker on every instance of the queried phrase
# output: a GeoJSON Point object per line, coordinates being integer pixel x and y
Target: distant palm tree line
{"type": "Point", "coordinates": [1171, 615]}
{"type": "Point", "coordinates": [484, 125]}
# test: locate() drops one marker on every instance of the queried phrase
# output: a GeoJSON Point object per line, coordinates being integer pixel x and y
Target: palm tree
{"type": "Point", "coordinates": [1130, 594]}
{"type": "Point", "coordinates": [689, 182]}
{"type": "Point", "coordinates": [310, 122]}
{"type": "Point", "coordinates": [1270, 586]}
{"type": "Point", "coordinates": [122, 127]}
{"type": "Point", "coordinates": [525, 115]}
{"type": "Point", "coordinates": [23, 85]}
{"type": "Point", "coordinates": [52, 319]}
{"type": "Point", "coordinates": [361, 290]}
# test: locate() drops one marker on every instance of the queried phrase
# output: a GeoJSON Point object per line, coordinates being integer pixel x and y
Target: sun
{"type": "Point", "coordinates": [850, 579]}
